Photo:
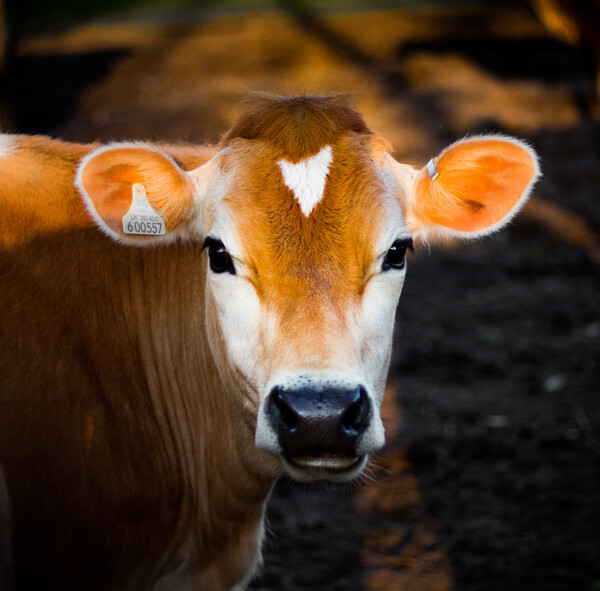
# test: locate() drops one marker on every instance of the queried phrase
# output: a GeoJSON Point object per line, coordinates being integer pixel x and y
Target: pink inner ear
{"type": "Point", "coordinates": [108, 178]}
{"type": "Point", "coordinates": [110, 198]}
{"type": "Point", "coordinates": [480, 182]}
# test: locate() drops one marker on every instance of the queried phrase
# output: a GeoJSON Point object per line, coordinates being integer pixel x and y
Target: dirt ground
{"type": "Point", "coordinates": [491, 476]}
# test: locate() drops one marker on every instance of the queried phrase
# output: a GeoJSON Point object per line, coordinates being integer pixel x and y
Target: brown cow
{"type": "Point", "coordinates": [181, 325]}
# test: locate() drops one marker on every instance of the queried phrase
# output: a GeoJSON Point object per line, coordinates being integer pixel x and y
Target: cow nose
{"type": "Point", "coordinates": [312, 422]}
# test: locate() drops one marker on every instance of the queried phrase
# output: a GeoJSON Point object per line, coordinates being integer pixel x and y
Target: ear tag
{"type": "Point", "coordinates": [433, 173]}
{"type": "Point", "coordinates": [141, 219]}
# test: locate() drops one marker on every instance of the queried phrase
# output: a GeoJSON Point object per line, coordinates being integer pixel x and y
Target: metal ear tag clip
{"type": "Point", "coordinates": [433, 173]}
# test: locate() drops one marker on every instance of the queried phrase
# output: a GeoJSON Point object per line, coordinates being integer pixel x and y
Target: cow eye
{"type": "Point", "coordinates": [395, 257]}
{"type": "Point", "coordinates": [219, 259]}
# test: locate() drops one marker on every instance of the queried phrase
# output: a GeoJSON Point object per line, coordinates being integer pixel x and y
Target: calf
{"type": "Point", "coordinates": [181, 325]}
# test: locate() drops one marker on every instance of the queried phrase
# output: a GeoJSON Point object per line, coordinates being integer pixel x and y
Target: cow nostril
{"type": "Point", "coordinates": [288, 417]}
{"type": "Point", "coordinates": [356, 415]}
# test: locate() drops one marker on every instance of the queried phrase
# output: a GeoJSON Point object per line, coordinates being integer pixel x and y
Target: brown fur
{"type": "Point", "coordinates": [307, 270]}
{"type": "Point", "coordinates": [109, 478]}
{"type": "Point", "coordinates": [297, 127]}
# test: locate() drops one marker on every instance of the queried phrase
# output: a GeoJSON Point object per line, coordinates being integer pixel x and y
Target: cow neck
{"type": "Point", "coordinates": [209, 440]}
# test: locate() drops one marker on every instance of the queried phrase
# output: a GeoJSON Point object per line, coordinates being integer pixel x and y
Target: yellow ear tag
{"type": "Point", "coordinates": [141, 219]}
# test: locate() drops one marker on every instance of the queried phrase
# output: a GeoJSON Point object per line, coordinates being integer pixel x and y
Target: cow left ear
{"type": "Point", "coordinates": [474, 187]}
{"type": "Point", "coordinates": [137, 194]}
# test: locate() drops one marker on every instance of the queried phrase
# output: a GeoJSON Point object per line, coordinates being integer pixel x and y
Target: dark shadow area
{"type": "Point", "coordinates": [496, 360]}
{"type": "Point", "coordinates": [45, 87]}
{"type": "Point", "coordinates": [545, 59]}
{"type": "Point", "coordinates": [571, 171]}
{"type": "Point", "coordinates": [6, 575]}
{"type": "Point", "coordinates": [298, 522]}
{"type": "Point", "coordinates": [536, 58]}
{"type": "Point", "coordinates": [497, 363]}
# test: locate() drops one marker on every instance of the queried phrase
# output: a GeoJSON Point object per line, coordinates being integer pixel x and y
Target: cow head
{"type": "Point", "coordinates": [305, 221]}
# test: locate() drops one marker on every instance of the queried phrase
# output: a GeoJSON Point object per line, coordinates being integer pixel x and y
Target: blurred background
{"type": "Point", "coordinates": [491, 476]}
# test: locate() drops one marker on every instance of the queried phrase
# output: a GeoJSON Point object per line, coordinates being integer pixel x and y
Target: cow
{"type": "Point", "coordinates": [181, 325]}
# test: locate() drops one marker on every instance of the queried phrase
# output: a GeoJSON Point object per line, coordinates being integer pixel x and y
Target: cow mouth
{"type": "Point", "coordinates": [326, 467]}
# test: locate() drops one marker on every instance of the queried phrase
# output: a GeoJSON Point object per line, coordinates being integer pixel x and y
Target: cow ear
{"type": "Point", "coordinates": [137, 194]}
{"type": "Point", "coordinates": [474, 187]}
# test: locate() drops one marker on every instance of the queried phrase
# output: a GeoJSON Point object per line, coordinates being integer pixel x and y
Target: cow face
{"type": "Point", "coordinates": [306, 264]}
{"type": "Point", "coordinates": [305, 222]}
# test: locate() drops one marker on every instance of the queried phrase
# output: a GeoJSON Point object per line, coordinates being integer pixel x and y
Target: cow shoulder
{"type": "Point", "coordinates": [37, 195]}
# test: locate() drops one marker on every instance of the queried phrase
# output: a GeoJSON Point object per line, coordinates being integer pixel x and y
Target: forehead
{"type": "Point", "coordinates": [305, 209]}
{"type": "Point", "coordinates": [331, 206]}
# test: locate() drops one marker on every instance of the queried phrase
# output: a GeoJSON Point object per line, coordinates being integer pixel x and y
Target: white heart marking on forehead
{"type": "Point", "coordinates": [307, 178]}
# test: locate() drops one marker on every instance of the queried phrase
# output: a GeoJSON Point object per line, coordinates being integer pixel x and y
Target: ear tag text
{"type": "Point", "coordinates": [141, 219]}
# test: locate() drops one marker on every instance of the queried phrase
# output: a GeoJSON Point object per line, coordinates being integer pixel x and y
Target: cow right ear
{"type": "Point", "coordinates": [473, 188]}
{"type": "Point", "coordinates": [137, 194]}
